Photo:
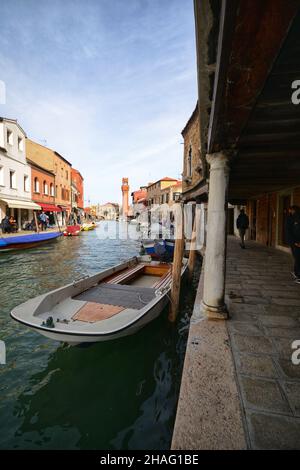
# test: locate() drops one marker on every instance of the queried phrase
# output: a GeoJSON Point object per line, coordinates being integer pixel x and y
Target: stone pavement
{"type": "Point", "coordinates": [264, 306]}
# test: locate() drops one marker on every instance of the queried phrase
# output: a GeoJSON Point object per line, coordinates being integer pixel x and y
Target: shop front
{"type": "Point", "coordinates": [53, 212]}
{"type": "Point", "coordinates": [21, 210]}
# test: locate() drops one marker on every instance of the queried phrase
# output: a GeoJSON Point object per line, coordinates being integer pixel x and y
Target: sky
{"type": "Point", "coordinates": [109, 84]}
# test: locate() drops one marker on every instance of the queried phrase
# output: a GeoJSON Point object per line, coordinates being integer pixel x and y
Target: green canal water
{"type": "Point", "coordinates": [120, 394]}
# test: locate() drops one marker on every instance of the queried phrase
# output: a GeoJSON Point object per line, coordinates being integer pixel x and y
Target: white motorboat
{"type": "Point", "coordinates": [113, 303]}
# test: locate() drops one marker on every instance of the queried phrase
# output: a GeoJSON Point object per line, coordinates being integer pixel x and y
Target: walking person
{"type": "Point", "coordinates": [292, 229]}
{"type": "Point", "coordinates": [43, 220]}
{"type": "Point", "coordinates": [242, 223]}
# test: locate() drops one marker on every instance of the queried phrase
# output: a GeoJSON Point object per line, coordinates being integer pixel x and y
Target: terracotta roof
{"type": "Point", "coordinates": [166, 178]}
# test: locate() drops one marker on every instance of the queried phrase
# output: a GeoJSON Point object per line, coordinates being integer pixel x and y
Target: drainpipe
{"type": "Point", "coordinates": [213, 304]}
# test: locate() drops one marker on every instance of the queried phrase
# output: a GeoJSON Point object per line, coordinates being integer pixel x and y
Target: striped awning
{"type": "Point", "coordinates": [19, 204]}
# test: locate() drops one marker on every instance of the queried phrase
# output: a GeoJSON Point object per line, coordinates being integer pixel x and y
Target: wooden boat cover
{"type": "Point", "coordinates": [121, 295]}
{"type": "Point", "coordinates": [92, 312]}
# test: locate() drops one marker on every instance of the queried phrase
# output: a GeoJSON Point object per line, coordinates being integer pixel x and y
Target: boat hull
{"type": "Point", "coordinates": [74, 339]}
{"type": "Point", "coordinates": [157, 248]}
{"type": "Point", "coordinates": [72, 231]}
{"type": "Point", "coordinates": [24, 242]}
{"type": "Point", "coordinates": [61, 314]}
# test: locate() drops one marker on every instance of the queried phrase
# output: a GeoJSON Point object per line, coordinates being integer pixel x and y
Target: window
{"type": "Point", "coordinates": [45, 188]}
{"type": "Point", "coordinates": [10, 137]}
{"type": "Point", "coordinates": [67, 175]}
{"type": "Point", "coordinates": [20, 144]}
{"type": "Point", "coordinates": [36, 185]}
{"type": "Point", "coordinates": [1, 176]}
{"type": "Point", "coordinates": [56, 191]}
{"type": "Point", "coordinates": [65, 194]}
{"type": "Point", "coordinates": [51, 189]}
{"type": "Point", "coordinates": [12, 179]}
{"type": "Point", "coordinates": [189, 163]}
{"type": "Point", "coordinates": [26, 183]}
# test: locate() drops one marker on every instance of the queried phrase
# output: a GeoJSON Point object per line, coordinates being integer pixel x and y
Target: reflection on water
{"type": "Point", "coordinates": [114, 395]}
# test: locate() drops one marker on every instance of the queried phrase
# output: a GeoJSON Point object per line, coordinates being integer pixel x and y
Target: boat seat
{"type": "Point", "coordinates": [162, 280]}
{"type": "Point", "coordinates": [127, 274]}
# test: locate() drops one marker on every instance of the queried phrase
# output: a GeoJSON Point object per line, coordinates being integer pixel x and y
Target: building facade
{"type": "Point", "coordinates": [139, 196]}
{"type": "Point", "coordinates": [52, 161]}
{"type": "Point", "coordinates": [155, 190]}
{"type": "Point", "coordinates": [172, 194]}
{"type": "Point", "coordinates": [43, 189]}
{"type": "Point", "coordinates": [108, 211]}
{"type": "Point", "coordinates": [15, 174]}
{"type": "Point", "coordinates": [77, 187]}
{"type": "Point", "coordinates": [193, 173]}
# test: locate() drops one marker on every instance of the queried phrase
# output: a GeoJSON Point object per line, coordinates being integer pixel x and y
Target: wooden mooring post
{"type": "Point", "coordinates": [177, 264]}
{"type": "Point", "coordinates": [36, 222]}
{"type": "Point", "coordinates": [192, 253]}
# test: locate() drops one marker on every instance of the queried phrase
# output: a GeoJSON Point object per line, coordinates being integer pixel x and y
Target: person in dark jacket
{"type": "Point", "coordinates": [242, 224]}
{"type": "Point", "coordinates": [292, 230]}
{"type": "Point", "coordinates": [5, 225]}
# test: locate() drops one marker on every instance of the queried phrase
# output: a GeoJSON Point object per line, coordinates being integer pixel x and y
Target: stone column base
{"type": "Point", "coordinates": [214, 313]}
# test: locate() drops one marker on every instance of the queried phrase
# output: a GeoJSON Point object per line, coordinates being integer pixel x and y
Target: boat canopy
{"type": "Point", "coordinates": [19, 204]}
{"type": "Point", "coordinates": [50, 207]}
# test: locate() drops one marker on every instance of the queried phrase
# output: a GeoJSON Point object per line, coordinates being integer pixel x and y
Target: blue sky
{"type": "Point", "coordinates": [109, 84]}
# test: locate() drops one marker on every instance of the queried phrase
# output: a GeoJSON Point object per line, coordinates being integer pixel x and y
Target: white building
{"type": "Point", "coordinates": [108, 211]}
{"type": "Point", "coordinates": [15, 173]}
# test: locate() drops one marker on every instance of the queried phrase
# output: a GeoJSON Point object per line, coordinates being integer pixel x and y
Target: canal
{"type": "Point", "coordinates": [113, 395]}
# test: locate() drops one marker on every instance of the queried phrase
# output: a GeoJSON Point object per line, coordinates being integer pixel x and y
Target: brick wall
{"type": "Point", "coordinates": [191, 136]}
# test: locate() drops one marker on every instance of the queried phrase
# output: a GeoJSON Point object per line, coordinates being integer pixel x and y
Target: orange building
{"type": "Point", "coordinates": [52, 161]}
{"type": "Point", "coordinates": [77, 180]}
{"type": "Point", "coordinates": [43, 189]}
{"type": "Point", "coordinates": [139, 196]}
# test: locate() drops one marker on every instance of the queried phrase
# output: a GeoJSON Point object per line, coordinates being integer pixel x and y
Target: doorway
{"type": "Point", "coordinates": [284, 204]}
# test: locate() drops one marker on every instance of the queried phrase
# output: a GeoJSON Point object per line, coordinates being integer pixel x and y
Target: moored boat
{"type": "Point", "coordinates": [88, 226]}
{"type": "Point", "coordinates": [22, 242]}
{"type": "Point", "coordinates": [72, 230]}
{"type": "Point", "coordinates": [159, 248]}
{"type": "Point", "coordinates": [114, 303]}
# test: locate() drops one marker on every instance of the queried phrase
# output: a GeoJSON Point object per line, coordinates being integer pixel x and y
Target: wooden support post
{"type": "Point", "coordinates": [36, 221]}
{"type": "Point", "coordinates": [57, 221]}
{"type": "Point", "coordinates": [177, 263]}
{"type": "Point", "coordinates": [192, 254]}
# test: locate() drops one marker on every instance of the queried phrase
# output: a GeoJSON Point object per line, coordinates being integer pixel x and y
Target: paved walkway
{"type": "Point", "coordinates": [239, 386]}
{"type": "Point", "coordinates": [264, 305]}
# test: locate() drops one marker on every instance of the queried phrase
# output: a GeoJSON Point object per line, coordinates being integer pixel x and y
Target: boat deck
{"type": "Point", "coordinates": [117, 294]}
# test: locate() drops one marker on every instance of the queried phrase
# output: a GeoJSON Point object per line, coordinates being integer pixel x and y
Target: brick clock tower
{"type": "Point", "coordinates": [125, 192]}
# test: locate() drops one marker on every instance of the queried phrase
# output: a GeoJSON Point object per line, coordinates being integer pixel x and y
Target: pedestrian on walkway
{"type": "Point", "coordinates": [292, 229]}
{"type": "Point", "coordinates": [43, 220]}
{"type": "Point", "coordinates": [242, 223]}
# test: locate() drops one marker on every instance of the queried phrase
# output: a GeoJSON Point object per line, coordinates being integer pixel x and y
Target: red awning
{"type": "Point", "coordinates": [50, 207]}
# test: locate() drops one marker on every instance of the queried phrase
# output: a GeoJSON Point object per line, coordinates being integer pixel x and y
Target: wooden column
{"type": "Point", "coordinates": [177, 263]}
{"type": "Point", "coordinates": [36, 221]}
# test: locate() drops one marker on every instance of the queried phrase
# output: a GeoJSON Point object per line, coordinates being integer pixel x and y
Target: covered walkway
{"type": "Point", "coordinates": [240, 388]}
{"type": "Point", "coordinates": [264, 306]}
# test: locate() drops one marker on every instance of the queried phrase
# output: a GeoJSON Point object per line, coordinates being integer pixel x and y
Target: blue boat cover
{"type": "Point", "coordinates": [32, 238]}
